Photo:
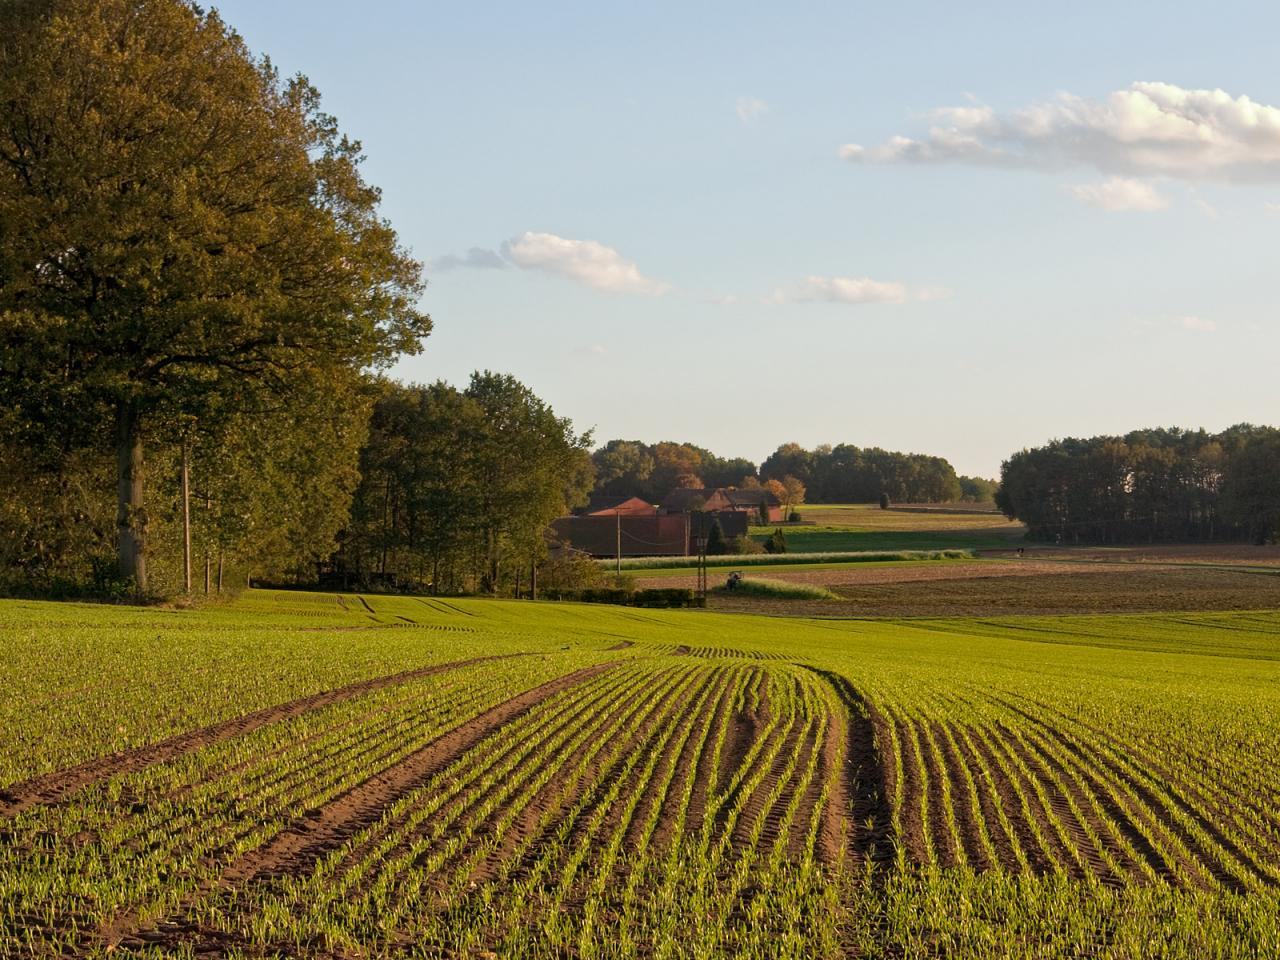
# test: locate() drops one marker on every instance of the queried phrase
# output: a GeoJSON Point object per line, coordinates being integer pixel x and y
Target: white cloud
{"type": "Point", "coordinates": [586, 261]}
{"type": "Point", "coordinates": [476, 257]}
{"type": "Point", "coordinates": [748, 108]}
{"type": "Point", "coordinates": [1121, 193]}
{"type": "Point", "coordinates": [1198, 324]}
{"type": "Point", "coordinates": [1148, 129]}
{"type": "Point", "coordinates": [1272, 207]}
{"type": "Point", "coordinates": [843, 290]}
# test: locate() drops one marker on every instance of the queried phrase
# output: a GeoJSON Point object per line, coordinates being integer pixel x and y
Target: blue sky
{"type": "Point", "coordinates": [696, 224]}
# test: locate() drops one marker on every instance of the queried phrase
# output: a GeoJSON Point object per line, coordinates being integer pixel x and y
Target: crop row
{"type": "Point", "coordinates": [133, 848]}
{"type": "Point", "coordinates": [1017, 786]}
{"type": "Point", "coordinates": [609, 798]}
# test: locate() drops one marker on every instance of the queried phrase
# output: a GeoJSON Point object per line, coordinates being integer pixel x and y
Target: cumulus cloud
{"type": "Point", "coordinates": [1198, 324]}
{"type": "Point", "coordinates": [1148, 129]}
{"type": "Point", "coordinates": [476, 258]}
{"type": "Point", "coordinates": [1121, 193]}
{"type": "Point", "coordinates": [748, 108]}
{"type": "Point", "coordinates": [585, 261]}
{"type": "Point", "coordinates": [843, 290]}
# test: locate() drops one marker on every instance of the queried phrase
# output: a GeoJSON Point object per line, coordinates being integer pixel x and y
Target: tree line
{"type": "Point", "coordinates": [1149, 486]}
{"type": "Point", "coordinates": [848, 474]}
{"type": "Point", "coordinates": [839, 474]}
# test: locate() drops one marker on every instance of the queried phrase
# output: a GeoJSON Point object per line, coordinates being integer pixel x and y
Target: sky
{"type": "Point", "coordinates": [954, 229]}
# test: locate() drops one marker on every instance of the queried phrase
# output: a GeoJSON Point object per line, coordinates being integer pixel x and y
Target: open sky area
{"type": "Point", "coordinates": [957, 229]}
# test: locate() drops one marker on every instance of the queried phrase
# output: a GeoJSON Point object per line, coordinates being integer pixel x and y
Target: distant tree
{"type": "Point", "coordinates": [790, 459]}
{"type": "Point", "coordinates": [716, 545]}
{"type": "Point", "coordinates": [794, 491]}
{"type": "Point", "coordinates": [1252, 489]}
{"type": "Point", "coordinates": [762, 514]}
{"type": "Point", "coordinates": [625, 468]}
{"type": "Point", "coordinates": [177, 226]}
{"type": "Point", "coordinates": [749, 483]}
{"type": "Point", "coordinates": [672, 461]}
{"type": "Point", "coordinates": [977, 489]}
{"type": "Point", "coordinates": [884, 501]}
{"type": "Point", "coordinates": [689, 481]}
{"type": "Point", "coordinates": [777, 542]}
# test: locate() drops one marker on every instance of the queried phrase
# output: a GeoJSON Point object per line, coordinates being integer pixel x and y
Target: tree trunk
{"type": "Point", "coordinates": [131, 520]}
{"type": "Point", "coordinates": [219, 571]}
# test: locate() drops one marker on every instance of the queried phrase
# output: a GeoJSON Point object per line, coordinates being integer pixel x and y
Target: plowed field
{"type": "Point", "coordinates": [302, 775]}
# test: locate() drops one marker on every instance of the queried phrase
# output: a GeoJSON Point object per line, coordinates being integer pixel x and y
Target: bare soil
{"type": "Point", "coordinates": [1108, 588]}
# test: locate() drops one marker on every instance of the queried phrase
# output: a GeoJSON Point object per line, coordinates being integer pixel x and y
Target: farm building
{"type": "Point", "coordinates": [602, 506]}
{"type": "Point", "coordinates": [601, 535]}
{"type": "Point", "coordinates": [723, 500]}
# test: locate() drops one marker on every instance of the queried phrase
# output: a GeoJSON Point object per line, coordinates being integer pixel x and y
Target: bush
{"type": "Point", "coordinates": [794, 516]}
{"type": "Point", "coordinates": [884, 501]}
{"type": "Point", "coordinates": [745, 545]}
{"type": "Point", "coordinates": [776, 543]}
{"type": "Point", "coordinates": [716, 545]}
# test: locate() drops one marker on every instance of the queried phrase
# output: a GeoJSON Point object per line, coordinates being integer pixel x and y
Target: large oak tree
{"type": "Point", "coordinates": [178, 226]}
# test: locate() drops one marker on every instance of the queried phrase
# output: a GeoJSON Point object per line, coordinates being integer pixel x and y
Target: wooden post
{"type": "Point", "coordinates": [186, 517]}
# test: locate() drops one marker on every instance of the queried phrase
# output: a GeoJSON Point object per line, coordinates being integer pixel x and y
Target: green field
{"type": "Point", "coordinates": [315, 775]}
{"type": "Point", "coordinates": [867, 527]}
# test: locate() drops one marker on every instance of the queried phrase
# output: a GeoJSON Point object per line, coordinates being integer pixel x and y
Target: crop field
{"type": "Point", "coordinates": [343, 776]}
{"type": "Point", "coordinates": [867, 527]}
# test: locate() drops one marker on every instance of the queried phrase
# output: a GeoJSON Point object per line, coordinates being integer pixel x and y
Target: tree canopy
{"type": "Point", "coordinates": [459, 486]}
{"type": "Point", "coordinates": [184, 237]}
{"type": "Point", "coordinates": [1148, 486]}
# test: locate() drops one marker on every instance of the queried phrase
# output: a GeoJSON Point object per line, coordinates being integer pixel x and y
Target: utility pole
{"type": "Point", "coordinates": [186, 517]}
{"type": "Point", "coordinates": [617, 514]}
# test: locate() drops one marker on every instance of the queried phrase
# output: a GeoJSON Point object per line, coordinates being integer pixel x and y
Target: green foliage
{"type": "Point", "coordinates": [745, 545]}
{"type": "Point", "coordinates": [848, 474]}
{"type": "Point", "coordinates": [651, 471]}
{"type": "Point", "coordinates": [1166, 485]}
{"type": "Point", "coordinates": [777, 543]}
{"type": "Point", "coordinates": [716, 543]}
{"type": "Point", "coordinates": [184, 237]}
{"type": "Point", "coordinates": [884, 501]}
{"type": "Point", "coordinates": [977, 489]}
{"type": "Point", "coordinates": [458, 487]}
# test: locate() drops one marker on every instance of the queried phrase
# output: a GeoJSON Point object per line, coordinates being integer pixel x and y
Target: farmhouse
{"type": "Point", "coordinates": [604, 535]}
{"type": "Point", "coordinates": [723, 500]}
{"type": "Point", "coordinates": [603, 506]}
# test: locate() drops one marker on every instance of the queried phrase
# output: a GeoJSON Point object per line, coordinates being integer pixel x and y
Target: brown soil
{"type": "Point", "coordinates": [970, 836]}
{"type": "Point", "coordinates": [1112, 589]}
{"type": "Point", "coordinates": [1235, 554]}
{"type": "Point", "coordinates": [329, 827]}
{"type": "Point", "coordinates": [56, 787]}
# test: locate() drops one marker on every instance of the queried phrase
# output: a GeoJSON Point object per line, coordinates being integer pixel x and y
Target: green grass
{"type": "Point", "coordinates": [1047, 787]}
{"type": "Point", "coordinates": [780, 589]}
{"type": "Point", "coordinates": [828, 539]}
{"type": "Point", "coordinates": [791, 559]}
{"type": "Point", "coordinates": [717, 569]}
